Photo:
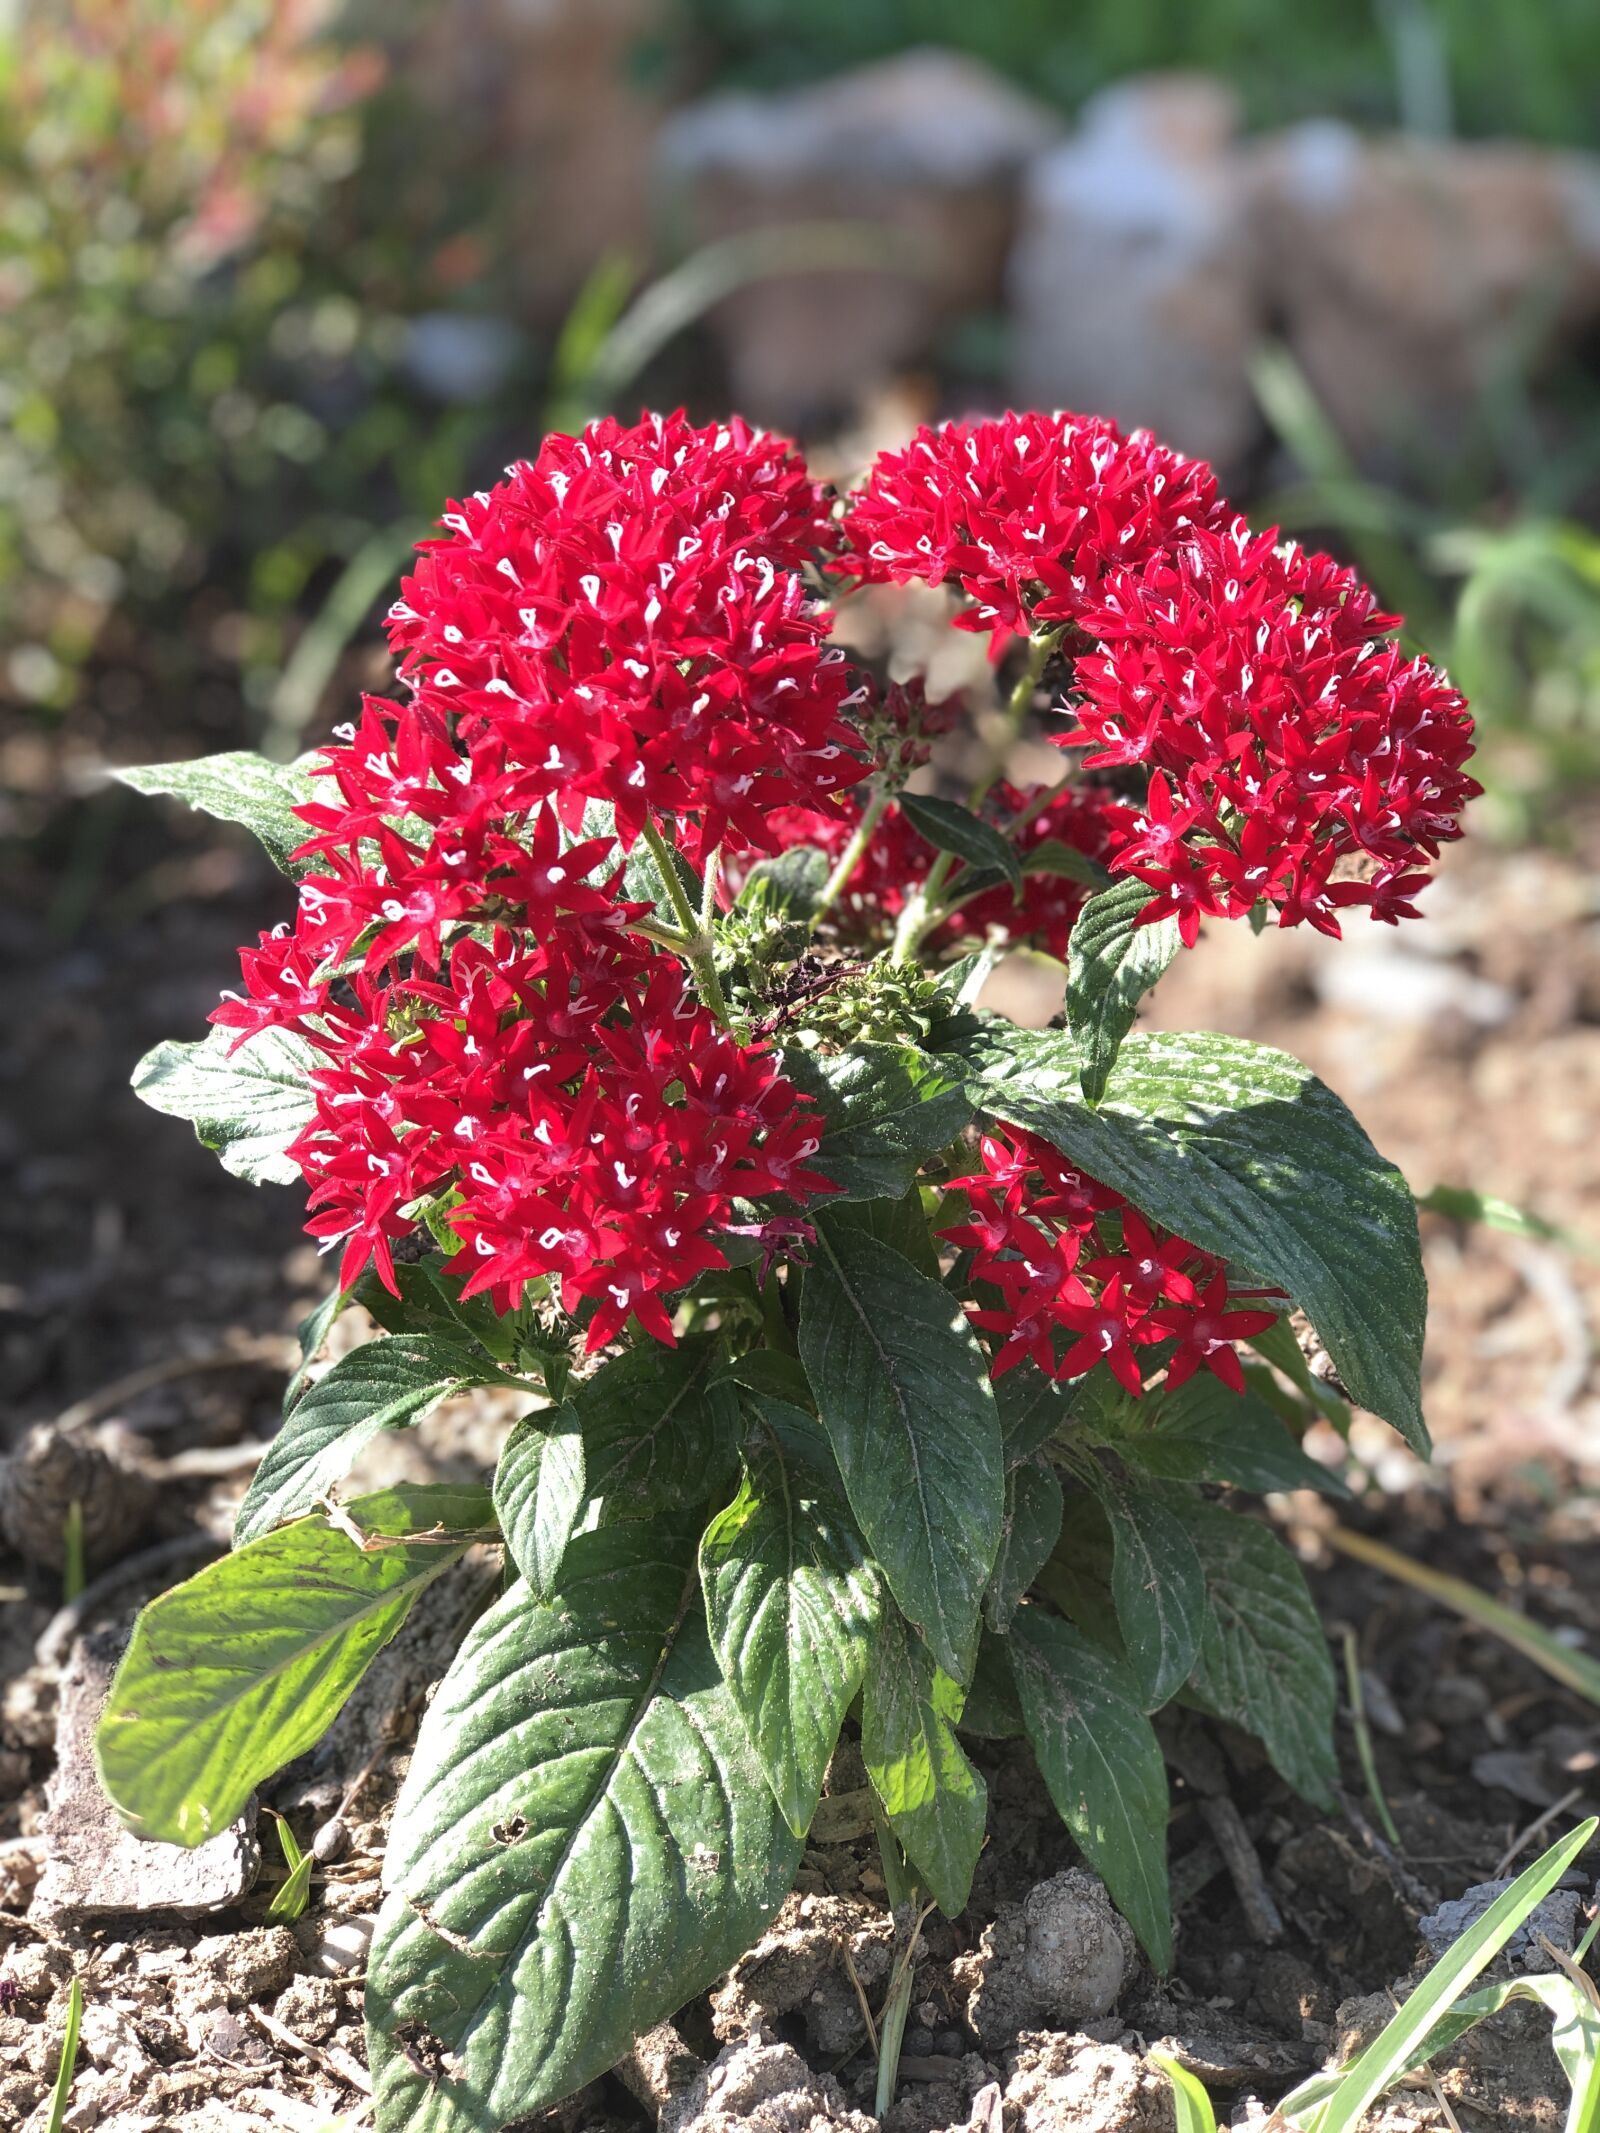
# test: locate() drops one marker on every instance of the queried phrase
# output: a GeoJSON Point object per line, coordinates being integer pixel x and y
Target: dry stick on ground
{"type": "Point", "coordinates": [329, 2058]}
{"type": "Point", "coordinates": [1534, 1828]}
{"type": "Point", "coordinates": [95, 1404]}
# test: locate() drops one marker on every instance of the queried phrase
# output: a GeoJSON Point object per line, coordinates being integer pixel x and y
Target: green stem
{"type": "Point", "coordinates": [850, 858]}
{"type": "Point", "coordinates": [924, 910]}
{"type": "Point", "coordinates": [896, 2009]}
{"type": "Point", "coordinates": [696, 947]}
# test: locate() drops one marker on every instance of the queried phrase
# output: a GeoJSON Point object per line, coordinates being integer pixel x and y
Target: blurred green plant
{"type": "Point", "coordinates": [1506, 594]}
{"type": "Point", "coordinates": [152, 172]}
{"type": "Point", "coordinates": [211, 283]}
{"type": "Point", "coordinates": [1491, 69]}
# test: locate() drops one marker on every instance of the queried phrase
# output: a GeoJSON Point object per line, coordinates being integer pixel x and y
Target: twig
{"type": "Point", "coordinates": [329, 2057]}
{"type": "Point", "coordinates": [1226, 1825]}
{"type": "Point", "coordinates": [1542, 1822]}
{"type": "Point", "coordinates": [861, 1996]}
{"type": "Point", "coordinates": [95, 1404]}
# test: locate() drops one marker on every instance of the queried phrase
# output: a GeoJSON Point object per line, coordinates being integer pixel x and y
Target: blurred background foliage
{"type": "Point", "coordinates": [263, 306]}
{"type": "Point", "coordinates": [1527, 70]}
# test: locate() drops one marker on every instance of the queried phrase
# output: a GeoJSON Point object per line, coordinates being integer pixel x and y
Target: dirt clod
{"type": "Point", "coordinates": [763, 2087]}
{"type": "Point", "coordinates": [1070, 2084]}
{"type": "Point", "coordinates": [1060, 1956]}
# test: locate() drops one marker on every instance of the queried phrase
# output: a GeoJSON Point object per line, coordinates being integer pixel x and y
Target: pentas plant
{"type": "Point", "coordinates": [886, 1366]}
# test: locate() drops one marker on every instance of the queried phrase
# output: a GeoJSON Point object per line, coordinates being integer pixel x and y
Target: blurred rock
{"type": "Point", "coordinates": [551, 90]}
{"type": "Point", "coordinates": [1133, 282]}
{"type": "Point", "coordinates": [1409, 275]}
{"type": "Point", "coordinates": [55, 1468]}
{"type": "Point", "coordinates": [93, 1866]}
{"type": "Point", "coordinates": [1555, 1921]}
{"type": "Point", "coordinates": [928, 146]}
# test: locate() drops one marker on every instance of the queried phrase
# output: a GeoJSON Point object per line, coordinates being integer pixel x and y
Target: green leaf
{"type": "Point", "coordinates": [1243, 1151]}
{"type": "Point", "coordinates": [248, 1107]}
{"type": "Point", "coordinates": [1205, 1432]}
{"type": "Point", "coordinates": [885, 1108]}
{"type": "Point", "coordinates": [949, 827]}
{"type": "Point", "coordinates": [294, 1893]}
{"type": "Point", "coordinates": [310, 1334]}
{"type": "Point", "coordinates": [1065, 860]}
{"type": "Point", "coordinates": [774, 1375]}
{"type": "Point", "coordinates": [1157, 1588]}
{"type": "Point", "coordinates": [660, 1431]}
{"type": "Point", "coordinates": [237, 1671]}
{"type": "Point", "coordinates": [1278, 1346]}
{"type": "Point", "coordinates": [539, 1489]}
{"type": "Point", "coordinates": [935, 1801]}
{"type": "Point", "coordinates": [1029, 1530]}
{"type": "Point", "coordinates": [1190, 2103]}
{"type": "Point", "coordinates": [642, 879]}
{"type": "Point", "coordinates": [791, 1602]}
{"type": "Point", "coordinates": [792, 881]}
{"type": "Point", "coordinates": [384, 1384]}
{"type": "Point", "coordinates": [1263, 1661]}
{"type": "Point", "coordinates": [904, 1394]}
{"type": "Point", "coordinates": [1112, 962]}
{"type": "Point", "coordinates": [241, 787]}
{"type": "Point", "coordinates": [584, 1841]}
{"type": "Point", "coordinates": [901, 1224]}
{"type": "Point", "coordinates": [430, 1301]}
{"type": "Point", "coordinates": [991, 1710]}
{"type": "Point", "coordinates": [1098, 1755]}
{"type": "Point", "coordinates": [1032, 1409]}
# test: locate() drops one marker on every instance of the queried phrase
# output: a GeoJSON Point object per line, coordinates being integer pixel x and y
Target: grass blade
{"type": "Point", "coordinates": [1391, 2051]}
{"type": "Point", "coordinates": [1573, 1669]}
{"type": "Point", "coordinates": [62, 2091]}
{"type": "Point", "coordinates": [1190, 2104]}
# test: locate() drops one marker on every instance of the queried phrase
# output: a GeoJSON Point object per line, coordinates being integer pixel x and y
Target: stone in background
{"type": "Point", "coordinates": [1133, 285]}
{"type": "Point", "coordinates": [929, 146]}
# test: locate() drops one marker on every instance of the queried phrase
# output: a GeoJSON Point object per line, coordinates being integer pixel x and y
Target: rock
{"type": "Point", "coordinates": [1409, 273]}
{"type": "Point", "coordinates": [547, 95]}
{"type": "Point", "coordinates": [338, 1947]}
{"type": "Point", "coordinates": [1070, 2084]}
{"type": "Point", "coordinates": [1556, 1920]}
{"type": "Point", "coordinates": [93, 1866]}
{"type": "Point", "coordinates": [54, 1468]}
{"type": "Point", "coordinates": [762, 2087]}
{"type": "Point", "coordinates": [1133, 285]}
{"type": "Point", "coordinates": [1059, 1958]}
{"type": "Point", "coordinates": [929, 146]}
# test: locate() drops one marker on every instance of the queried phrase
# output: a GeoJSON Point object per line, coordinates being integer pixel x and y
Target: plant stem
{"type": "Point", "coordinates": [61, 2094]}
{"type": "Point", "coordinates": [924, 910]}
{"type": "Point", "coordinates": [871, 815]}
{"type": "Point", "coordinates": [696, 948]}
{"type": "Point", "coordinates": [1364, 1748]}
{"type": "Point", "coordinates": [896, 2009]}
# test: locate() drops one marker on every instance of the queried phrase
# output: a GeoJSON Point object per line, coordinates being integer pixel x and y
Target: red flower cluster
{"type": "Point", "coordinates": [1295, 756]}
{"type": "Point", "coordinates": [1286, 736]}
{"type": "Point", "coordinates": [1025, 514]}
{"type": "Point", "coordinates": [1037, 1231]}
{"type": "Point", "coordinates": [623, 619]}
{"type": "Point", "coordinates": [1088, 820]}
{"type": "Point", "coordinates": [619, 621]}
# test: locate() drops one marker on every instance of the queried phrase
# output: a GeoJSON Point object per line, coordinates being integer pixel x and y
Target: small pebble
{"type": "Point", "coordinates": [330, 1843]}
{"type": "Point", "coordinates": [343, 1945]}
{"type": "Point", "coordinates": [1457, 1700]}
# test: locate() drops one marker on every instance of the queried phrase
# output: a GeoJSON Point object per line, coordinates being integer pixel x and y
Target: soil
{"type": "Point", "coordinates": [149, 1301]}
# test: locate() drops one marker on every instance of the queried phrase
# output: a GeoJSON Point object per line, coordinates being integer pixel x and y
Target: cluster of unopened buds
{"type": "Point", "coordinates": [1081, 1278]}
{"type": "Point", "coordinates": [618, 645]}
